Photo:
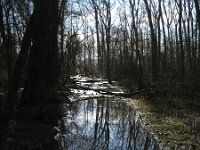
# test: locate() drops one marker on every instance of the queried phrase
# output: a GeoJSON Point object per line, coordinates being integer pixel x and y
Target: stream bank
{"type": "Point", "coordinates": [174, 124]}
{"type": "Point", "coordinates": [170, 121]}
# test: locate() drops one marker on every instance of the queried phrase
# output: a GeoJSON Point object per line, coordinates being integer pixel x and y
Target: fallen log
{"type": "Point", "coordinates": [106, 92]}
{"type": "Point", "coordinates": [88, 98]}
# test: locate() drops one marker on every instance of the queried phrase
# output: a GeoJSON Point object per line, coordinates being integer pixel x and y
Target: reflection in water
{"type": "Point", "coordinates": [104, 125]}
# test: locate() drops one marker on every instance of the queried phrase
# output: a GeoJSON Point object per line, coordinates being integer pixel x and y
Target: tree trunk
{"type": "Point", "coordinates": [108, 37]}
{"type": "Point", "coordinates": [182, 51]}
{"type": "Point", "coordinates": [12, 98]}
{"type": "Point", "coordinates": [159, 34]}
{"type": "Point", "coordinates": [165, 46]}
{"type": "Point", "coordinates": [95, 7]}
{"type": "Point", "coordinates": [138, 57]}
{"type": "Point", "coordinates": [153, 44]}
{"type": "Point", "coordinates": [6, 36]}
{"type": "Point", "coordinates": [198, 20]}
{"type": "Point", "coordinates": [43, 66]}
{"type": "Point", "coordinates": [177, 49]}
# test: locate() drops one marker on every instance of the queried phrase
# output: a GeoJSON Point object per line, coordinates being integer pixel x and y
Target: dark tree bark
{"type": "Point", "coordinates": [182, 51]}
{"type": "Point", "coordinates": [177, 48]}
{"type": "Point", "coordinates": [196, 2]}
{"type": "Point", "coordinates": [198, 20]}
{"type": "Point", "coordinates": [96, 13]}
{"type": "Point", "coordinates": [8, 109]}
{"type": "Point", "coordinates": [138, 57]}
{"type": "Point", "coordinates": [12, 98]}
{"type": "Point", "coordinates": [165, 45]}
{"type": "Point", "coordinates": [188, 40]}
{"type": "Point", "coordinates": [43, 65]}
{"type": "Point", "coordinates": [106, 20]}
{"type": "Point", "coordinates": [108, 37]}
{"type": "Point", "coordinates": [6, 36]}
{"type": "Point", "coordinates": [153, 44]}
{"type": "Point", "coordinates": [159, 32]}
{"type": "Point", "coordinates": [62, 28]}
{"type": "Point", "coordinates": [103, 48]}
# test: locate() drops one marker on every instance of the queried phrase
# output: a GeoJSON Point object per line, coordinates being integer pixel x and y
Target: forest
{"type": "Point", "coordinates": [53, 53]}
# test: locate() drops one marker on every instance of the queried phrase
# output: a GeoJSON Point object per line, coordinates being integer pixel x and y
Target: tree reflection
{"type": "Point", "coordinates": [105, 124]}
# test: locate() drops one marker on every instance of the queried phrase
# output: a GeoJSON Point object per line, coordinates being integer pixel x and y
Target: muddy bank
{"type": "Point", "coordinates": [173, 122]}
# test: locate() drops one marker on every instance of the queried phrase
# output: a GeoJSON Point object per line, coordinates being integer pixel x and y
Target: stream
{"type": "Point", "coordinates": [102, 122]}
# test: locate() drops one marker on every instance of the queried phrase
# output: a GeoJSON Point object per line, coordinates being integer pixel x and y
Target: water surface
{"type": "Point", "coordinates": [104, 123]}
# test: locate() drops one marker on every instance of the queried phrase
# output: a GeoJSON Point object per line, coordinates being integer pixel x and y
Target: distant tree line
{"type": "Point", "coordinates": [146, 42]}
{"type": "Point", "coordinates": [143, 41]}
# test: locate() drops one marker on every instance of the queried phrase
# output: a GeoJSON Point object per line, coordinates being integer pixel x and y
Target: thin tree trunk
{"type": "Point", "coordinates": [140, 82]}
{"type": "Point", "coordinates": [198, 20]}
{"type": "Point", "coordinates": [97, 33]}
{"type": "Point", "coordinates": [108, 38]}
{"type": "Point", "coordinates": [182, 51]}
{"type": "Point", "coordinates": [177, 49]}
{"type": "Point", "coordinates": [153, 44]}
{"type": "Point", "coordinates": [12, 98]}
{"type": "Point", "coordinates": [159, 34]}
{"type": "Point", "coordinates": [165, 45]}
{"type": "Point", "coordinates": [6, 39]}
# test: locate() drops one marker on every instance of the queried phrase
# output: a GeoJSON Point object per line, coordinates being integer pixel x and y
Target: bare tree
{"type": "Point", "coordinates": [153, 44]}
{"type": "Point", "coordinates": [106, 20]}
{"type": "Point", "coordinates": [135, 29]}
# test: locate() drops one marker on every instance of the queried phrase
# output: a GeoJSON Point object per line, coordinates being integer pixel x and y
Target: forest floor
{"type": "Point", "coordinates": [173, 121]}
